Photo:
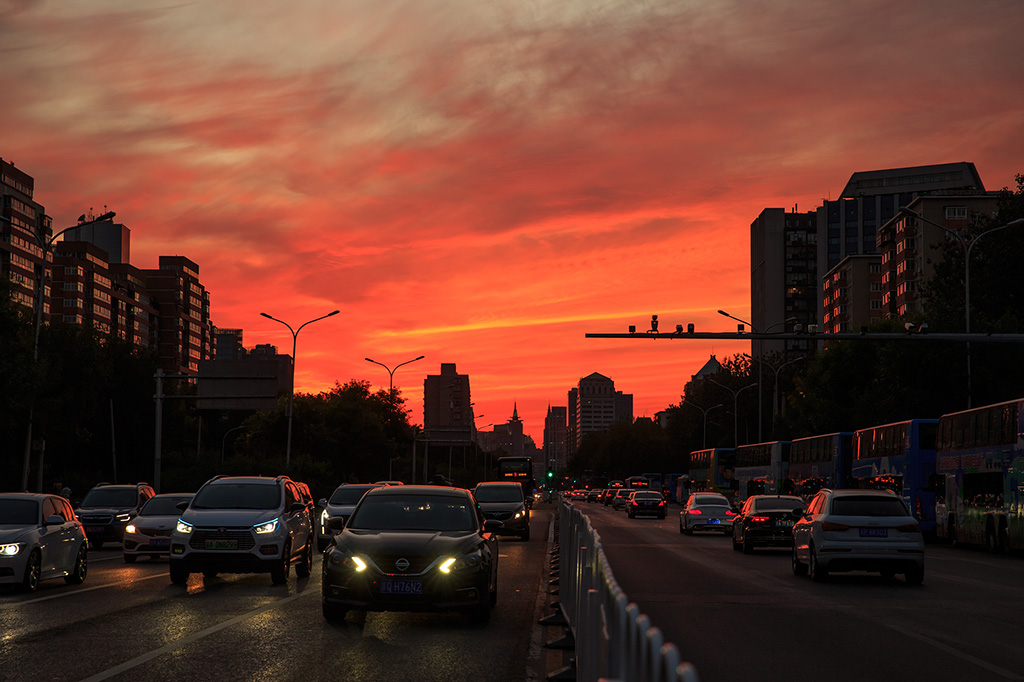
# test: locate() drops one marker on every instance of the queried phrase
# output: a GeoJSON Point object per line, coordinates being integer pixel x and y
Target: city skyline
{"type": "Point", "coordinates": [483, 185]}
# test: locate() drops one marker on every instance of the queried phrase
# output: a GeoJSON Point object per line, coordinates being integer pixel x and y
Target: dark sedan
{"type": "Point", "coordinates": [412, 548]}
{"type": "Point", "coordinates": [646, 502]}
{"type": "Point", "coordinates": [765, 521]}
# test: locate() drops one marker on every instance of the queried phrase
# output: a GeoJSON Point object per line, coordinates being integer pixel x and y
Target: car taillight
{"type": "Point", "coordinates": [832, 525]}
{"type": "Point", "coordinates": [662, 503]}
{"type": "Point", "coordinates": [730, 512]}
{"type": "Point", "coordinates": [694, 511]}
{"type": "Point", "coordinates": [759, 519]}
{"type": "Point", "coordinates": [909, 528]}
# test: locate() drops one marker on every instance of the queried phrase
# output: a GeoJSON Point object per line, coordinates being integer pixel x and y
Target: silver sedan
{"type": "Point", "coordinates": [706, 511]}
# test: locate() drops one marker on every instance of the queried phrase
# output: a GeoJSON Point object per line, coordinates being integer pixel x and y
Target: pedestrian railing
{"type": "Point", "coordinates": [612, 639]}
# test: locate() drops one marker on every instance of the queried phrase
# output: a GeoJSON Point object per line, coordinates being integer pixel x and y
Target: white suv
{"type": "Point", "coordinates": [858, 530]}
{"type": "Point", "coordinates": [243, 524]}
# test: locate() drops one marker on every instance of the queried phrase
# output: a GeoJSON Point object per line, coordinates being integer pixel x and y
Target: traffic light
{"type": "Point", "coordinates": [551, 474]}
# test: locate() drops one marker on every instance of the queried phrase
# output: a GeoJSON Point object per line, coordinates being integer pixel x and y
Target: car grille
{"type": "Point", "coordinates": [199, 538]}
{"type": "Point", "coordinates": [96, 519]}
{"type": "Point", "coordinates": [417, 564]}
{"type": "Point", "coordinates": [498, 516]}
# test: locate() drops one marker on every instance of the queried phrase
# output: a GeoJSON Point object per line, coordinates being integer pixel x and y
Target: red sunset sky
{"type": "Point", "coordinates": [485, 182]}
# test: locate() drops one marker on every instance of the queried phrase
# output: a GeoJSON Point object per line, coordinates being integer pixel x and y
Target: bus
{"type": "Point", "coordinates": [519, 469]}
{"type": "Point", "coordinates": [654, 480]}
{"type": "Point", "coordinates": [762, 469]}
{"type": "Point", "coordinates": [638, 482]}
{"type": "Point", "coordinates": [670, 486]}
{"type": "Point", "coordinates": [979, 466]}
{"type": "Point", "coordinates": [711, 470]}
{"type": "Point", "coordinates": [899, 457]}
{"type": "Point", "coordinates": [817, 462]}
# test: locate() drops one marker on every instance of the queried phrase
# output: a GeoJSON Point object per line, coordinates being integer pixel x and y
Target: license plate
{"type": "Point", "coordinates": [784, 524]}
{"type": "Point", "coordinates": [401, 586]}
{"type": "Point", "coordinates": [714, 521]}
{"type": "Point", "coordinates": [221, 544]}
{"type": "Point", "coordinates": [94, 529]}
{"type": "Point", "coordinates": [159, 542]}
{"type": "Point", "coordinates": [874, 532]}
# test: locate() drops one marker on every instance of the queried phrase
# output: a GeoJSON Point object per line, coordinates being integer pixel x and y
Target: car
{"type": "Point", "coordinates": [766, 521]}
{"type": "Point", "coordinates": [339, 506]}
{"type": "Point", "coordinates": [592, 495]}
{"type": "Point", "coordinates": [609, 496]}
{"type": "Point", "coordinates": [706, 511]}
{"type": "Point", "coordinates": [243, 524]}
{"type": "Point", "coordinates": [107, 508]}
{"type": "Point", "coordinates": [149, 533]}
{"type": "Point", "coordinates": [500, 501]}
{"type": "Point", "coordinates": [858, 530]}
{"type": "Point", "coordinates": [412, 548]}
{"type": "Point", "coordinates": [646, 502]}
{"type": "Point", "coordinates": [620, 498]}
{"type": "Point", "coordinates": [40, 538]}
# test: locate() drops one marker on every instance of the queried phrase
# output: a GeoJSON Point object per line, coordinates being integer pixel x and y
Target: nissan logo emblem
{"type": "Point", "coordinates": [402, 564]}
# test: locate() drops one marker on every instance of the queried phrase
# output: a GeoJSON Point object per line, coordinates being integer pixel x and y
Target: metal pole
{"type": "Point", "coordinates": [158, 437]}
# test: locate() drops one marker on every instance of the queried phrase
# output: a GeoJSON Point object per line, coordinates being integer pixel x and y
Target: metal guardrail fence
{"type": "Point", "coordinates": [613, 640]}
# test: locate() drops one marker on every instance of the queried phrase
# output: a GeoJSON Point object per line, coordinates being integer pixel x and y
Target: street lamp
{"type": "Point", "coordinates": [735, 409]}
{"type": "Point", "coordinates": [391, 372]}
{"type": "Point", "coordinates": [45, 245]}
{"type": "Point", "coordinates": [760, 353]}
{"type": "Point", "coordinates": [966, 244]}
{"type": "Point", "coordinates": [291, 395]}
{"type": "Point", "coordinates": [775, 394]}
{"type": "Point", "coordinates": [224, 441]}
{"type": "Point", "coordinates": [704, 441]}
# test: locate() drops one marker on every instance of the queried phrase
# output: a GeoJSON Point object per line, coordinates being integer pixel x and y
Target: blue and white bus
{"type": "Point", "coordinates": [817, 462]}
{"type": "Point", "coordinates": [762, 469]}
{"type": "Point", "coordinates": [899, 457]}
{"type": "Point", "coordinates": [711, 470]}
{"type": "Point", "coordinates": [980, 472]}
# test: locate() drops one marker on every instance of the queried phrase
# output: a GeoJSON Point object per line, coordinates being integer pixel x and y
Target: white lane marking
{"type": "Point", "coordinates": [196, 636]}
{"type": "Point", "coordinates": [83, 590]}
{"type": "Point", "coordinates": [1002, 672]}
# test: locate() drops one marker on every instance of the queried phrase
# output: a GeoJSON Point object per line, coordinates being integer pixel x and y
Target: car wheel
{"type": "Point", "coordinates": [687, 530]}
{"type": "Point", "coordinates": [492, 597]}
{"type": "Point", "coordinates": [799, 568]}
{"type": "Point", "coordinates": [77, 576]}
{"type": "Point", "coordinates": [735, 543]}
{"type": "Point", "coordinates": [279, 573]}
{"type": "Point", "coordinates": [818, 572]}
{"type": "Point", "coordinates": [305, 566]}
{"type": "Point", "coordinates": [748, 546]}
{"type": "Point", "coordinates": [334, 613]}
{"type": "Point", "coordinates": [914, 576]}
{"type": "Point", "coordinates": [681, 525]}
{"type": "Point", "coordinates": [179, 576]}
{"type": "Point", "coordinates": [33, 568]}
{"type": "Point", "coordinates": [130, 558]}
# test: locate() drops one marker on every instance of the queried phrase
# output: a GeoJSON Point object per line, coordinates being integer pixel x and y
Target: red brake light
{"type": "Point", "coordinates": [730, 512]}
{"type": "Point", "coordinates": [662, 503]}
{"type": "Point", "coordinates": [694, 511]}
{"type": "Point", "coordinates": [909, 528]}
{"type": "Point", "coordinates": [831, 525]}
{"type": "Point", "coordinates": [759, 519]}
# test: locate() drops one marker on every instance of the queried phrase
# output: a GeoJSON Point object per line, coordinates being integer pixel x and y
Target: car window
{"type": "Point", "coordinates": [868, 506]}
{"type": "Point", "coordinates": [110, 497]}
{"type": "Point", "coordinates": [778, 503]}
{"type": "Point", "coordinates": [816, 503]}
{"type": "Point", "coordinates": [19, 512]}
{"type": "Point", "coordinates": [163, 506]}
{"type": "Point", "coordinates": [238, 496]}
{"type": "Point", "coordinates": [348, 494]}
{"type": "Point", "coordinates": [647, 496]}
{"type": "Point", "coordinates": [65, 509]}
{"type": "Point", "coordinates": [499, 493]}
{"type": "Point", "coordinates": [413, 513]}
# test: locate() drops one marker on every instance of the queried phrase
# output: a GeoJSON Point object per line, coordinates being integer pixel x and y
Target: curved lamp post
{"type": "Point", "coordinates": [391, 372]}
{"type": "Point", "coordinates": [704, 441]}
{"type": "Point", "coordinates": [966, 244]}
{"type": "Point", "coordinates": [291, 395]}
{"type": "Point", "coordinates": [760, 352]}
{"type": "Point", "coordinates": [735, 409]}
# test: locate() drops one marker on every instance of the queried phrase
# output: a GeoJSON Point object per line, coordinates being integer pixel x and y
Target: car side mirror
{"type": "Point", "coordinates": [492, 526]}
{"type": "Point", "coordinates": [54, 520]}
{"type": "Point", "coordinates": [322, 502]}
{"type": "Point", "coordinates": [797, 514]}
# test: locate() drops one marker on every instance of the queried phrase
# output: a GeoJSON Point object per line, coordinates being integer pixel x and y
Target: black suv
{"type": "Point", "coordinates": [107, 508]}
{"type": "Point", "coordinates": [244, 524]}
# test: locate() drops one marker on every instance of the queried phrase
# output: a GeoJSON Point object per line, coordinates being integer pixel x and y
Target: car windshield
{"type": "Point", "coordinates": [647, 496]}
{"type": "Point", "coordinates": [778, 503]}
{"type": "Point", "coordinates": [348, 494]}
{"type": "Point", "coordinates": [111, 497]}
{"type": "Point", "coordinates": [238, 496]}
{"type": "Point", "coordinates": [414, 513]}
{"type": "Point", "coordinates": [499, 493]}
{"type": "Point", "coordinates": [19, 512]}
{"type": "Point", "coordinates": [163, 506]}
{"type": "Point", "coordinates": [868, 506]}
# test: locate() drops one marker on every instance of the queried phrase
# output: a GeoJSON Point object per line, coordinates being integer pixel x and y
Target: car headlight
{"type": "Point", "coordinates": [10, 550]}
{"type": "Point", "coordinates": [268, 527]}
{"type": "Point", "coordinates": [183, 527]}
{"type": "Point", "coordinates": [130, 528]}
{"type": "Point", "coordinates": [346, 559]}
{"type": "Point", "coordinates": [123, 517]}
{"type": "Point", "coordinates": [520, 513]}
{"type": "Point", "coordinates": [466, 561]}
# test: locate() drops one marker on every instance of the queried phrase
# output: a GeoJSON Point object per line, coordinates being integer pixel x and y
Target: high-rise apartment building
{"type": "Point", "coordinates": [852, 293]}
{"type": "Point", "coordinates": [183, 309]}
{"type": "Point", "coordinates": [447, 410]}
{"type": "Point", "coordinates": [595, 405]}
{"type": "Point", "coordinates": [556, 439]}
{"type": "Point", "coordinates": [24, 226]}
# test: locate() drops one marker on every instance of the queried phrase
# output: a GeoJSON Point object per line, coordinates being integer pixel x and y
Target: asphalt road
{"type": "Point", "coordinates": [127, 622]}
{"type": "Point", "coordinates": [747, 617]}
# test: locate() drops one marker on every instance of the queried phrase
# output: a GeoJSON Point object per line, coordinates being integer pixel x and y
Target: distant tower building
{"type": "Point", "coordinates": [556, 439]}
{"type": "Point", "coordinates": [183, 304]}
{"type": "Point", "coordinates": [23, 224]}
{"type": "Point", "coordinates": [114, 238]}
{"type": "Point", "coordinates": [852, 293]}
{"type": "Point", "coordinates": [710, 368]}
{"type": "Point", "coordinates": [597, 405]}
{"type": "Point", "coordinates": [228, 344]}
{"type": "Point", "coordinates": [447, 410]}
